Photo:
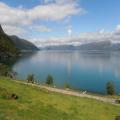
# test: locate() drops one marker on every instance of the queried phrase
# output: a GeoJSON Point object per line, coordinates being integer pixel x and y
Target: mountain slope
{"type": "Point", "coordinates": [101, 45]}
{"type": "Point", "coordinates": [7, 47]}
{"type": "Point", "coordinates": [22, 44]}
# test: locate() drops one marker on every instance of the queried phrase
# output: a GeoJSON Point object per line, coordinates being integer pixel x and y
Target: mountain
{"type": "Point", "coordinates": [1, 30]}
{"type": "Point", "coordinates": [60, 47]}
{"type": "Point", "coordinates": [22, 44]}
{"type": "Point", "coordinates": [7, 46]}
{"type": "Point", "coordinates": [100, 45]}
{"type": "Point", "coordinates": [115, 46]}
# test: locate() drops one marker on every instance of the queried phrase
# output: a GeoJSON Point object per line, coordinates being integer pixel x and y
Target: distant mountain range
{"type": "Point", "coordinates": [13, 45]}
{"type": "Point", "coordinates": [101, 45]}
{"type": "Point", "coordinates": [59, 47]}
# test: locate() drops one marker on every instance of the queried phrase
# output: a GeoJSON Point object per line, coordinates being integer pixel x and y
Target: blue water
{"type": "Point", "coordinates": [88, 71]}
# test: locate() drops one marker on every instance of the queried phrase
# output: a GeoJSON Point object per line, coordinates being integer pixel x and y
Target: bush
{"type": "Point", "coordinates": [4, 70]}
{"type": "Point", "coordinates": [49, 80]}
{"type": "Point", "coordinates": [110, 88]}
{"type": "Point", "coordinates": [66, 85]}
{"type": "Point", "coordinates": [30, 78]}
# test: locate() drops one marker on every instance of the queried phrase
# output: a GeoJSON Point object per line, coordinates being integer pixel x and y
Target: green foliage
{"type": "Point", "coordinates": [30, 78]}
{"type": "Point", "coordinates": [7, 47]}
{"type": "Point", "coordinates": [110, 88]}
{"type": "Point", "coordinates": [49, 80]}
{"type": "Point", "coordinates": [66, 85]}
{"type": "Point", "coordinates": [4, 70]}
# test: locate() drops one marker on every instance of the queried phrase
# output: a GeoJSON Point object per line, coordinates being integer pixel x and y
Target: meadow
{"type": "Point", "coordinates": [38, 104]}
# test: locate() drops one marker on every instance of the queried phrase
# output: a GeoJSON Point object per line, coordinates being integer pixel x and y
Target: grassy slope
{"type": "Point", "coordinates": [36, 104]}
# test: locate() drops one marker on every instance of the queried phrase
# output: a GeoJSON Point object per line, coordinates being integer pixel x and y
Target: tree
{"type": "Point", "coordinates": [49, 80]}
{"type": "Point", "coordinates": [30, 78]}
{"type": "Point", "coordinates": [4, 70]}
{"type": "Point", "coordinates": [110, 88]}
{"type": "Point", "coordinates": [66, 85]}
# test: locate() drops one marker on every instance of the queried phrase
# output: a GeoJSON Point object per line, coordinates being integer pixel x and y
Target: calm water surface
{"type": "Point", "coordinates": [88, 71]}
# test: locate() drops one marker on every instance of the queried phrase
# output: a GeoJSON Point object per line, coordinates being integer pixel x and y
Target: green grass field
{"type": "Point", "coordinates": [36, 104]}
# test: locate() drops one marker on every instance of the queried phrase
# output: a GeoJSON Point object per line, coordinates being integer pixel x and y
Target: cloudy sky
{"type": "Point", "coordinates": [61, 21]}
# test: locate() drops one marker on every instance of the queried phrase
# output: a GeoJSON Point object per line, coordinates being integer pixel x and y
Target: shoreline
{"type": "Point", "coordinates": [70, 92]}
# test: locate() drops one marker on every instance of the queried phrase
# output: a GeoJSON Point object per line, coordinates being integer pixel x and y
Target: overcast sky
{"type": "Point", "coordinates": [61, 21]}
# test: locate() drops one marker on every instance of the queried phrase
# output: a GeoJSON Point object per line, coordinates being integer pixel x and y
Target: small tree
{"type": "Point", "coordinates": [110, 88]}
{"type": "Point", "coordinates": [66, 85]}
{"type": "Point", "coordinates": [30, 78]}
{"type": "Point", "coordinates": [49, 80]}
{"type": "Point", "coordinates": [4, 70]}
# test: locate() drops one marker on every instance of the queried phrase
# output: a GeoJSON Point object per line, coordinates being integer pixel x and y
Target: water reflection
{"type": "Point", "coordinates": [82, 70]}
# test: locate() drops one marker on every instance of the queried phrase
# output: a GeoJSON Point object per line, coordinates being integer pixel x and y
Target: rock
{"type": "Point", "coordinates": [14, 96]}
{"type": "Point", "coordinates": [117, 118]}
{"type": "Point", "coordinates": [117, 101]}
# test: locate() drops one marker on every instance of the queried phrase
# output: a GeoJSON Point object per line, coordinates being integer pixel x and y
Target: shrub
{"type": "Point", "coordinates": [30, 78]}
{"type": "Point", "coordinates": [110, 88]}
{"type": "Point", "coordinates": [66, 85]}
{"type": "Point", "coordinates": [49, 80]}
{"type": "Point", "coordinates": [4, 70]}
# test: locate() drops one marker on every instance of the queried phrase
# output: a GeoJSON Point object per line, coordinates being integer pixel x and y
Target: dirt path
{"type": "Point", "coordinates": [72, 93]}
